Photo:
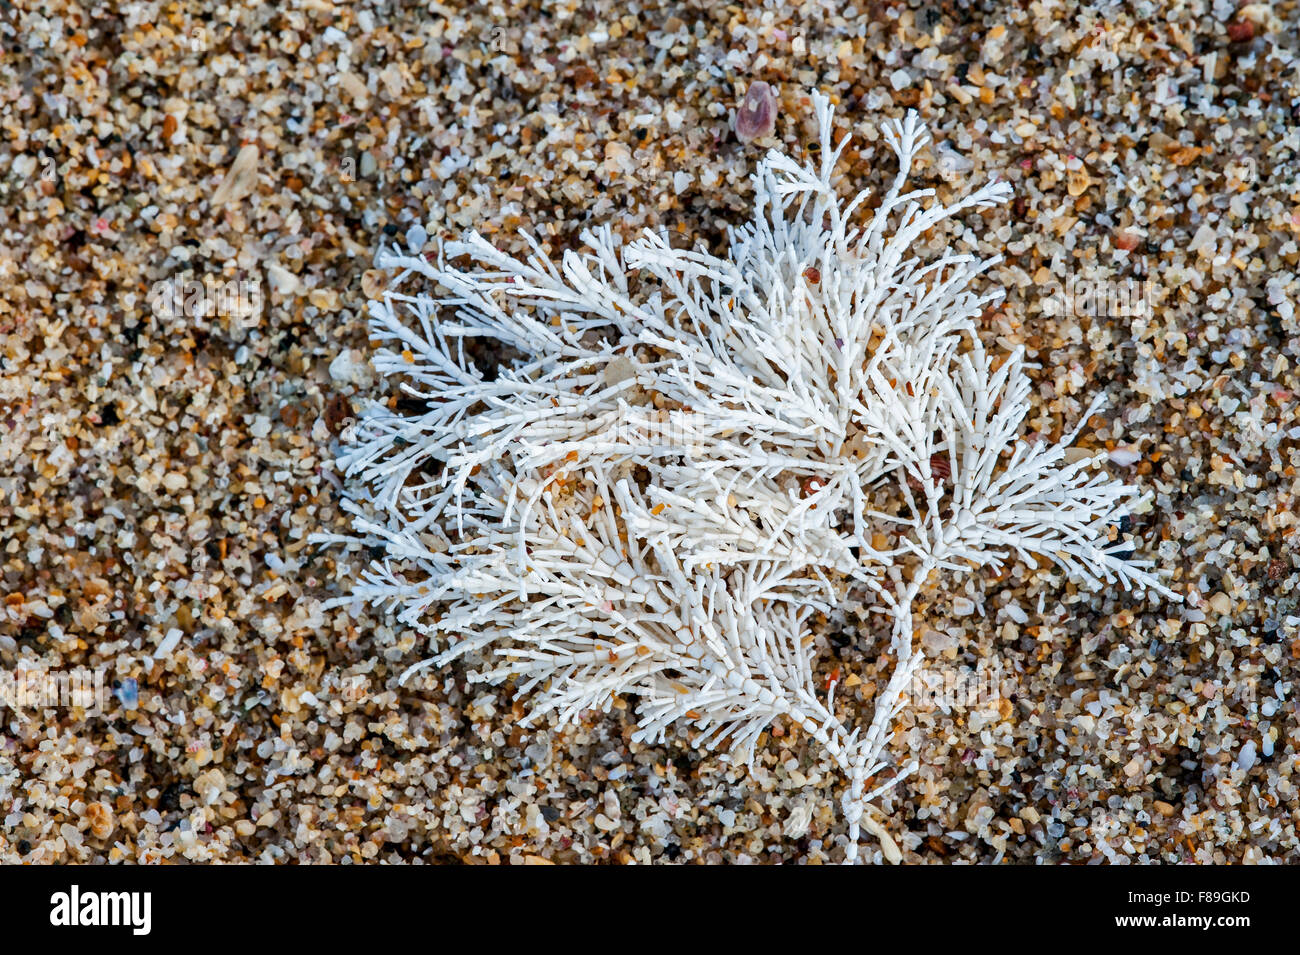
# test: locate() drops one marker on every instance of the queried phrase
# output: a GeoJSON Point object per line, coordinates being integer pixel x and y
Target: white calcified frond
{"type": "Point", "coordinates": [1015, 497]}
{"type": "Point", "coordinates": [689, 455]}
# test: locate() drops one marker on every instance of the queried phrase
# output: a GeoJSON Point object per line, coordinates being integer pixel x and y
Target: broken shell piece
{"type": "Point", "coordinates": [1125, 457]}
{"type": "Point", "coordinates": [756, 117]}
{"type": "Point", "coordinates": [241, 180]}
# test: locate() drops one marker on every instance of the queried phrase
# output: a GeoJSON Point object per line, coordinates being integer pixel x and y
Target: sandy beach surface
{"type": "Point", "coordinates": [164, 455]}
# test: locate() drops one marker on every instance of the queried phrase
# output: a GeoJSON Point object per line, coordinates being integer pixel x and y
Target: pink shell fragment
{"type": "Point", "coordinates": [756, 117]}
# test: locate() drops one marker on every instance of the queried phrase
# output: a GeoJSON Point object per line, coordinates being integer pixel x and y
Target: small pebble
{"type": "Point", "coordinates": [1246, 758]}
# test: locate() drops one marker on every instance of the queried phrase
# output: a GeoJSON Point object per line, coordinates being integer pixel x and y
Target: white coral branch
{"type": "Point", "coordinates": [679, 471]}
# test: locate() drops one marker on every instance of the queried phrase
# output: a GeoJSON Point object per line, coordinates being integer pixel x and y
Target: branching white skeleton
{"type": "Point", "coordinates": [691, 456]}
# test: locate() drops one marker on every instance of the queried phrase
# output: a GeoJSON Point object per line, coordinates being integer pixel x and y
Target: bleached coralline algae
{"type": "Point", "coordinates": [694, 454]}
